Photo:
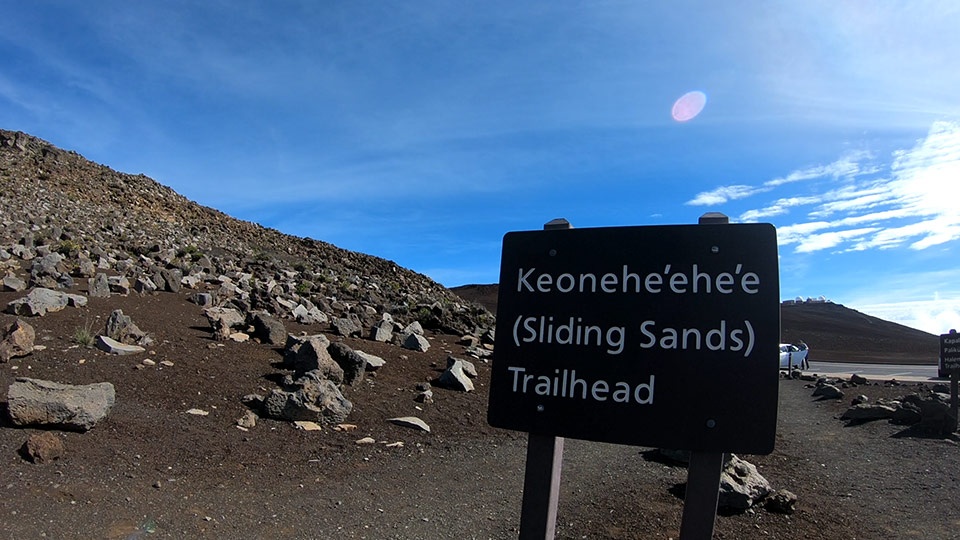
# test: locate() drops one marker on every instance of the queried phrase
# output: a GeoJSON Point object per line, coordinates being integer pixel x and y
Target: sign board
{"type": "Point", "coordinates": [950, 352]}
{"type": "Point", "coordinates": [655, 336]}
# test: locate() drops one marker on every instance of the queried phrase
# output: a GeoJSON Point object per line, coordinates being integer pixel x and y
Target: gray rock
{"type": "Point", "coordinates": [86, 267]}
{"type": "Point", "coordinates": [382, 331]}
{"type": "Point", "coordinates": [782, 502]}
{"type": "Point", "coordinates": [113, 346]}
{"type": "Point", "coordinates": [309, 315]}
{"type": "Point", "coordinates": [201, 299]}
{"type": "Point", "coordinates": [38, 302]}
{"type": "Point", "coordinates": [224, 321]}
{"type": "Point", "coordinates": [121, 328]}
{"type": "Point", "coordinates": [828, 391]}
{"type": "Point", "coordinates": [316, 401]}
{"type": "Point", "coordinates": [46, 268]}
{"type": "Point", "coordinates": [857, 379]}
{"type": "Point", "coordinates": [455, 378]}
{"type": "Point", "coordinates": [34, 402]}
{"type": "Point", "coordinates": [354, 365]}
{"type": "Point", "coordinates": [410, 422]}
{"type": "Point", "coordinates": [16, 339]}
{"type": "Point", "coordinates": [374, 362]}
{"type": "Point", "coordinates": [14, 284]}
{"type": "Point", "coordinates": [865, 412]}
{"type": "Point", "coordinates": [144, 285]}
{"type": "Point", "coordinates": [469, 369]}
{"type": "Point", "coordinates": [313, 355]}
{"type": "Point", "coordinates": [119, 284]}
{"type": "Point", "coordinates": [934, 414]}
{"type": "Point", "coordinates": [741, 485]}
{"type": "Point", "coordinates": [416, 342]}
{"type": "Point", "coordinates": [907, 414]}
{"type": "Point", "coordinates": [413, 328]}
{"type": "Point", "coordinates": [248, 420]}
{"type": "Point", "coordinates": [268, 328]}
{"type": "Point", "coordinates": [99, 286]}
{"type": "Point", "coordinates": [172, 279]}
{"type": "Point", "coordinates": [345, 326]}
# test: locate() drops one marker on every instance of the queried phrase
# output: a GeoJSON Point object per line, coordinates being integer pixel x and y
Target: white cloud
{"type": "Point", "coordinates": [827, 240]}
{"type": "Point", "coordinates": [914, 205]}
{"type": "Point", "coordinates": [723, 194]}
{"type": "Point", "coordinates": [780, 207]}
{"type": "Point", "coordinates": [847, 166]}
{"type": "Point", "coordinates": [934, 316]}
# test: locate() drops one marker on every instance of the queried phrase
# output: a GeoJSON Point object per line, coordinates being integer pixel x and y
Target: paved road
{"type": "Point", "coordinates": [883, 372]}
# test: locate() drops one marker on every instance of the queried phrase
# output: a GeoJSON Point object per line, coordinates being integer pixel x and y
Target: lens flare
{"type": "Point", "coordinates": [689, 106]}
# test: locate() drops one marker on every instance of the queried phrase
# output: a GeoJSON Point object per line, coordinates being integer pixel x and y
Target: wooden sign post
{"type": "Point", "coordinates": [634, 335]}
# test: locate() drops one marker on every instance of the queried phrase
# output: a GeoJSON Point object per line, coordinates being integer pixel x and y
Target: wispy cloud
{"type": "Point", "coordinates": [724, 194]}
{"type": "Point", "coordinates": [848, 167]}
{"type": "Point", "coordinates": [911, 202]}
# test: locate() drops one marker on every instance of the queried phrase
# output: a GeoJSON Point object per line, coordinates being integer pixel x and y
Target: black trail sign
{"type": "Point", "coordinates": [656, 336]}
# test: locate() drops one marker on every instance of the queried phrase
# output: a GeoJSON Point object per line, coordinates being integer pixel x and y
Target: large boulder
{"type": "Point", "coordinates": [346, 326]}
{"type": "Point", "coordinates": [741, 485]}
{"type": "Point", "coordinates": [121, 328]}
{"type": "Point", "coordinates": [935, 415]}
{"type": "Point", "coordinates": [316, 400]}
{"type": "Point", "coordinates": [41, 301]}
{"type": "Point", "coordinates": [416, 342]}
{"type": "Point", "coordinates": [828, 391]}
{"type": "Point", "coordinates": [455, 377]}
{"type": "Point", "coordinates": [354, 365]}
{"type": "Point", "coordinates": [99, 286]}
{"type": "Point", "coordinates": [13, 283]}
{"type": "Point", "coordinates": [268, 329]}
{"type": "Point", "coordinates": [866, 412]}
{"type": "Point", "coordinates": [310, 353]}
{"type": "Point", "coordinates": [16, 339]}
{"type": "Point", "coordinates": [224, 321]}
{"type": "Point", "coordinates": [35, 402]}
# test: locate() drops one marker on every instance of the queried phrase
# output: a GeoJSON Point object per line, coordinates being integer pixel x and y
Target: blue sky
{"type": "Point", "coordinates": [423, 131]}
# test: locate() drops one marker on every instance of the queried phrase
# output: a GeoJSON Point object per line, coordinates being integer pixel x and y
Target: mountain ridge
{"type": "Point", "coordinates": [57, 198]}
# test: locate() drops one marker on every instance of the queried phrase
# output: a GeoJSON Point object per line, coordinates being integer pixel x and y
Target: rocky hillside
{"type": "Point", "coordinates": [97, 220]}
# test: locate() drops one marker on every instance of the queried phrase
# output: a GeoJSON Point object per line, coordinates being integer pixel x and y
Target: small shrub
{"type": "Point", "coordinates": [68, 248]}
{"type": "Point", "coordinates": [84, 335]}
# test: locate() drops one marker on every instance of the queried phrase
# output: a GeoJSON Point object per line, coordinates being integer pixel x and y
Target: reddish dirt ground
{"type": "Point", "coordinates": [149, 466]}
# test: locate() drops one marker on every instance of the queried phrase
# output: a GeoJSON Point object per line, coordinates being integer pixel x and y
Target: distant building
{"type": "Point", "coordinates": [809, 300]}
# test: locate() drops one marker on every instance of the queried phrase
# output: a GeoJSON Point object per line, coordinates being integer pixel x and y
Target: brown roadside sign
{"type": "Point", "coordinates": [654, 336]}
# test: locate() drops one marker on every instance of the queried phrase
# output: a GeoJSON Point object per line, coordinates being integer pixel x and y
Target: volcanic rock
{"type": "Point", "coordinates": [35, 402]}
{"type": "Point", "coordinates": [16, 340]}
